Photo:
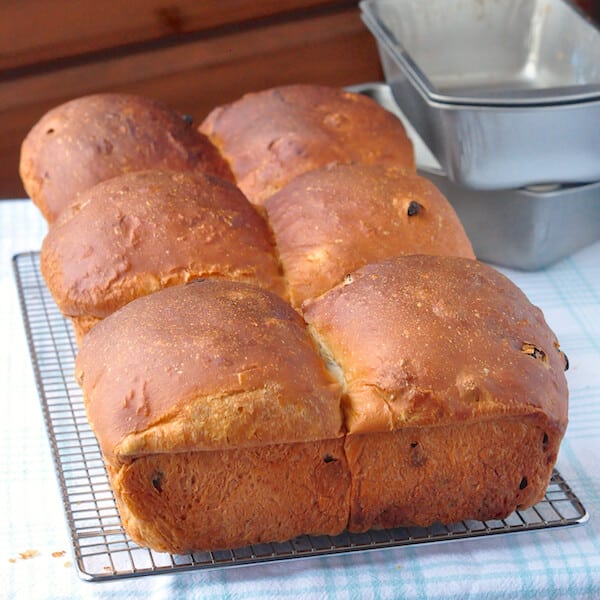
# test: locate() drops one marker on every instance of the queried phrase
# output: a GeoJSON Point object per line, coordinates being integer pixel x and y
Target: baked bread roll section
{"type": "Point", "coordinates": [425, 389]}
{"type": "Point", "coordinates": [139, 232]}
{"type": "Point", "coordinates": [93, 138]}
{"type": "Point", "coordinates": [331, 221]}
{"type": "Point", "coordinates": [311, 350]}
{"type": "Point", "coordinates": [272, 136]}
{"type": "Point", "coordinates": [455, 398]}
{"type": "Point", "coordinates": [228, 431]}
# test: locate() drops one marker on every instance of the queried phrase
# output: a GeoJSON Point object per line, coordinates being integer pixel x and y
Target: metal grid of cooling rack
{"type": "Point", "coordinates": [103, 550]}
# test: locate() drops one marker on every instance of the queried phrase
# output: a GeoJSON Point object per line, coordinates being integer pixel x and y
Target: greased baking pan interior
{"type": "Point", "coordinates": [491, 51]}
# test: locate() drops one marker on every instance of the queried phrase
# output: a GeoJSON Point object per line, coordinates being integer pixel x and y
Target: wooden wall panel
{"type": "Point", "coordinates": [34, 31]}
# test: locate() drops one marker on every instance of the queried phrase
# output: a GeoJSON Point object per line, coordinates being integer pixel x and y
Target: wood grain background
{"type": "Point", "coordinates": [192, 55]}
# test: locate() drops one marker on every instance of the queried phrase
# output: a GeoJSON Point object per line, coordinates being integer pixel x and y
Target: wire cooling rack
{"type": "Point", "coordinates": [102, 549]}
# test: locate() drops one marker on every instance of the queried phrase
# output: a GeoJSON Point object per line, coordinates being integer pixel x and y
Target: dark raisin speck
{"type": "Point", "coordinates": [188, 119]}
{"type": "Point", "coordinates": [533, 351]}
{"type": "Point", "coordinates": [418, 457]}
{"type": "Point", "coordinates": [328, 458]}
{"type": "Point", "coordinates": [414, 208]}
{"type": "Point", "coordinates": [523, 483]}
{"type": "Point", "coordinates": [278, 95]}
{"type": "Point", "coordinates": [157, 481]}
{"type": "Point", "coordinates": [545, 441]}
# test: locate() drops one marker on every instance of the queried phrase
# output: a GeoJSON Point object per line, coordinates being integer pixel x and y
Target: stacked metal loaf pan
{"type": "Point", "coordinates": [503, 102]}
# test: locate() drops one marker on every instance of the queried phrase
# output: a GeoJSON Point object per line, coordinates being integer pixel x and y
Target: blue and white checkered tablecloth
{"type": "Point", "coordinates": [35, 554]}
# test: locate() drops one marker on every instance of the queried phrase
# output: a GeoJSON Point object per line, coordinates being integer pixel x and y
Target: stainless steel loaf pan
{"type": "Point", "coordinates": [492, 51]}
{"type": "Point", "coordinates": [495, 146]}
{"type": "Point", "coordinates": [527, 228]}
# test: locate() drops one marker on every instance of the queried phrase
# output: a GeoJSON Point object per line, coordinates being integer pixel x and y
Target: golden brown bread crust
{"type": "Point", "coordinates": [455, 398]}
{"type": "Point", "coordinates": [270, 137]}
{"type": "Point", "coordinates": [139, 232]}
{"type": "Point", "coordinates": [96, 137]}
{"type": "Point", "coordinates": [439, 392]}
{"type": "Point", "coordinates": [231, 498]}
{"type": "Point", "coordinates": [210, 365]}
{"type": "Point", "coordinates": [331, 221]}
{"type": "Point", "coordinates": [438, 340]}
{"type": "Point", "coordinates": [420, 475]}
